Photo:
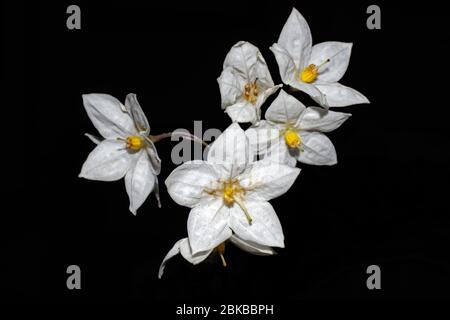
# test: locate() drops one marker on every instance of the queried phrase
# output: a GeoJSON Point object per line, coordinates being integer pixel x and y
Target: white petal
{"type": "Point", "coordinates": [265, 229]}
{"type": "Point", "coordinates": [246, 59]}
{"type": "Point", "coordinates": [139, 118]}
{"type": "Point", "coordinates": [153, 155]}
{"type": "Point", "coordinates": [140, 181]}
{"type": "Point", "coordinates": [108, 115]}
{"type": "Point", "coordinates": [279, 152]}
{"type": "Point", "coordinates": [296, 38]}
{"type": "Point", "coordinates": [338, 95]}
{"type": "Point", "coordinates": [182, 246]}
{"type": "Point", "coordinates": [230, 152]}
{"type": "Point", "coordinates": [242, 112]}
{"type": "Point", "coordinates": [267, 180]}
{"type": "Point", "coordinates": [93, 138]}
{"type": "Point", "coordinates": [317, 149]}
{"type": "Point", "coordinates": [251, 247]}
{"type": "Point", "coordinates": [284, 109]}
{"type": "Point", "coordinates": [339, 55]}
{"type": "Point", "coordinates": [285, 63]}
{"type": "Point", "coordinates": [265, 94]}
{"type": "Point", "coordinates": [208, 225]}
{"type": "Point", "coordinates": [231, 87]}
{"type": "Point", "coordinates": [311, 90]}
{"type": "Point", "coordinates": [187, 184]}
{"type": "Point", "coordinates": [186, 252]}
{"type": "Point", "coordinates": [318, 119]}
{"type": "Point", "coordinates": [262, 136]}
{"type": "Point", "coordinates": [109, 161]}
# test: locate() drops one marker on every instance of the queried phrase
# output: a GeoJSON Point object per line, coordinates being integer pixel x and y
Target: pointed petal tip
{"type": "Point", "coordinates": [133, 211]}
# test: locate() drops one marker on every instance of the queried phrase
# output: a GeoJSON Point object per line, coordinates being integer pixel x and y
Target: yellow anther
{"type": "Point", "coordinates": [309, 74]}
{"type": "Point", "coordinates": [292, 138]}
{"type": "Point", "coordinates": [135, 142]}
{"type": "Point", "coordinates": [251, 92]}
{"type": "Point", "coordinates": [221, 250]}
{"type": "Point", "coordinates": [228, 194]}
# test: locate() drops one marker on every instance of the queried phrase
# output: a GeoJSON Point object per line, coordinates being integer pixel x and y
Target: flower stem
{"type": "Point", "coordinates": [184, 135]}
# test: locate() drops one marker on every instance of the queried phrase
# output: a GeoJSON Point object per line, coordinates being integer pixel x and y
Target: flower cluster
{"type": "Point", "coordinates": [228, 193]}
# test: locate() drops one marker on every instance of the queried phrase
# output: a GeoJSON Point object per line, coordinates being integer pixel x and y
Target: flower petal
{"type": "Point", "coordinates": [262, 136]}
{"type": "Point", "coordinates": [339, 55]}
{"type": "Point", "coordinates": [182, 246]}
{"type": "Point", "coordinates": [246, 59]}
{"type": "Point", "coordinates": [95, 139]}
{"type": "Point", "coordinates": [317, 149]}
{"type": "Point", "coordinates": [231, 86]}
{"type": "Point", "coordinates": [279, 152]}
{"type": "Point", "coordinates": [187, 183]}
{"type": "Point", "coordinates": [251, 247]}
{"type": "Point", "coordinates": [267, 180]}
{"type": "Point", "coordinates": [296, 38]}
{"type": "Point", "coordinates": [311, 90]}
{"type": "Point", "coordinates": [109, 161]}
{"type": "Point", "coordinates": [338, 95]}
{"type": "Point", "coordinates": [230, 152]}
{"type": "Point", "coordinates": [318, 119]}
{"type": "Point", "coordinates": [139, 118]}
{"type": "Point", "coordinates": [153, 155]}
{"type": "Point", "coordinates": [208, 225]}
{"type": "Point", "coordinates": [140, 181]}
{"type": "Point", "coordinates": [108, 115]}
{"type": "Point", "coordinates": [285, 62]}
{"type": "Point", "coordinates": [265, 229]}
{"type": "Point", "coordinates": [265, 94]}
{"type": "Point", "coordinates": [284, 109]}
{"type": "Point", "coordinates": [242, 112]}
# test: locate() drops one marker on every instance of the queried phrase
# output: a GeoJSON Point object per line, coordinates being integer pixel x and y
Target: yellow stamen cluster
{"type": "Point", "coordinates": [309, 74]}
{"type": "Point", "coordinates": [135, 143]}
{"type": "Point", "coordinates": [231, 193]}
{"type": "Point", "coordinates": [292, 138]}
{"type": "Point", "coordinates": [251, 92]}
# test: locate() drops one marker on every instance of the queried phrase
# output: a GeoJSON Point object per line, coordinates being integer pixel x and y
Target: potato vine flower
{"type": "Point", "coordinates": [316, 69]}
{"type": "Point", "coordinates": [228, 193]}
{"type": "Point", "coordinates": [127, 149]}
{"type": "Point", "coordinates": [245, 83]}
{"type": "Point", "coordinates": [293, 132]}
{"type": "Point", "coordinates": [183, 247]}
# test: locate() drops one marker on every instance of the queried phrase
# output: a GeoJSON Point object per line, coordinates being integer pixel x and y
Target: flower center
{"type": "Point", "coordinates": [231, 193]}
{"type": "Point", "coordinates": [309, 74]}
{"type": "Point", "coordinates": [251, 92]}
{"type": "Point", "coordinates": [135, 143]}
{"type": "Point", "coordinates": [292, 138]}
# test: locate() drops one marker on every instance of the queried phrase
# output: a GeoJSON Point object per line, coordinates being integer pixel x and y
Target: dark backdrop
{"type": "Point", "coordinates": [383, 203]}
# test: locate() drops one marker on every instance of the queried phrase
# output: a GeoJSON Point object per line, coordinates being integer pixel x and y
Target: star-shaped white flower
{"type": "Point", "coordinates": [229, 193]}
{"type": "Point", "coordinates": [293, 132]}
{"type": "Point", "coordinates": [127, 149]}
{"type": "Point", "coordinates": [183, 247]}
{"type": "Point", "coordinates": [316, 69]}
{"type": "Point", "coordinates": [245, 83]}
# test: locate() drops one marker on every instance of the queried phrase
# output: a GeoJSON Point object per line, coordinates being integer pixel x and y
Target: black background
{"type": "Point", "coordinates": [384, 203]}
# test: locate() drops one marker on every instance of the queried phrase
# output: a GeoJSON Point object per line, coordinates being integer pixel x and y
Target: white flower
{"type": "Point", "coordinates": [228, 193]}
{"type": "Point", "coordinates": [126, 150]}
{"type": "Point", "coordinates": [293, 132]}
{"type": "Point", "coordinates": [183, 247]}
{"type": "Point", "coordinates": [245, 83]}
{"type": "Point", "coordinates": [316, 69]}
